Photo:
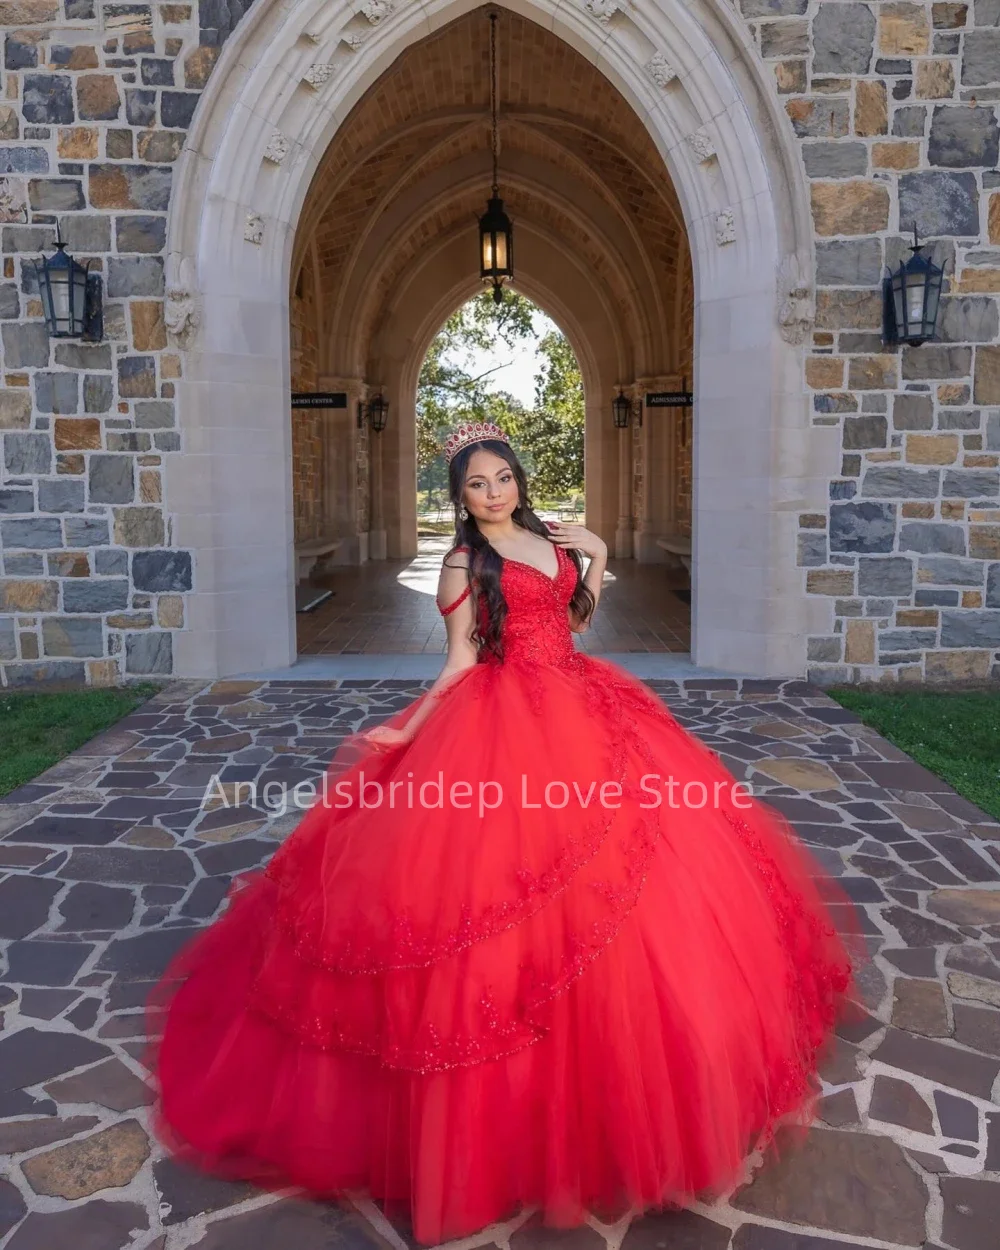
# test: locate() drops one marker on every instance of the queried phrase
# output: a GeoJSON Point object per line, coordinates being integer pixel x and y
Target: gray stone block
{"type": "Point", "coordinates": [57, 392]}
{"type": "Point", "coordinates": [835, 160]}
{"type": "Point", "coordinates": [932, 537]}
{"type": "Point", "coordinates": [154, 414]}
{"type": "Point", "coordinates": [939, 203]}
{"type": "Point", "coordinates": [86, 531]}
{"type": "Point", "coordinates": [10, 302]}
{"type": "Point", "coordinates": [48, 99]}
{"type": "Point", "coordinates": [135, 275]}
{"type": "Point", "coordinates": [909, 122]}
{"type": "Point", "coordinates": [892, 481]}
{"type": "Point", "coordinates": [907, 639]}
{"type": "Point", "coordinates": [83, 355]}
{"type": "Point", "coordinates": [993, 431]}
{"type": "Point", "coordinates": [56, 195]}
{"type": "Point", "coordinates": [959, 419]}
{"type": "Point", "coordinates": [774, 8]}
{"type": "Point", "coordinates": [848, 262]}
{"type": "Point", "coordinates": [862, 527]}
{"type": "Point", "coordinates": [16, 501]}
{"type": "Point", "coordinates": [88, 233]}
{"type": "Point", "coordinates": [865, 432]}
{"type": "Point", "coordinates": [843, 38]}
{"type": "Point", "coordinates": [26, 346]}
{"type": "Point", "coordinates": [993, 586]}
{"type": "Point", "coordinates": [885, 575]}
{"type": "Point", "coordinates": [98, 393]}
{"type": "Point", "coordinates": [931, 361]}
{"type": "Point", "coordinates": [970, 484]}
{"type": "Point", "coordinates": [8, 643]}
{"type": "Point", "coordinates": [980, 57]}
{"type": "Point", "coordinates": [23, 564]}
{"type": "Point", "coordinates": [962, 136]}
{"type": "Point", "coordinates": [35, 533]}
{"type": "Point", "coordinates": [111, 478]}
{"type": "Point", "coordinates": [812, 549]}
{"type": "Point", "coordinates": [61, 494]}
{"type": "Point", "coordinates": [110, 562]}
{"type": "Point", "coordinates": [968, 319]}
{"type": "Point", "coordinates": [149, 652]}
{"type": "Point", "coordinates": [946, 571]}
{"type": "Point", "coordinates": [140, 234]}
{"type": "Point", "coordinates": [95, 594]}
{"type": "Point", "coordinates": [161, 571]}
{"type": "Point", "coordinates": [971, 628]}
{"type": "Point", "coordinates": [788, 37]}
{"type": "Point", "coordinates": [72, 636]}
{"type": "Point", "coordinates": [25, 453]}
{"type": "Point", "coordinates": [24, 161]}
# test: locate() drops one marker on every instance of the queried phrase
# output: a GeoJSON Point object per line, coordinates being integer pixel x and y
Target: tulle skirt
{"type": "Point", "coordinates": [545, 954]}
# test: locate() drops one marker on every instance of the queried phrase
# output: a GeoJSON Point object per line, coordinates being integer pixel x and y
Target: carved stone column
{"type": "Point", "coordinates": [661, 444]}
{"type": "Point", "coordinates": [340, 470]}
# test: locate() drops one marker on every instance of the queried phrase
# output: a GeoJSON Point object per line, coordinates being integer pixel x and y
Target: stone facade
{"type": "Point", "coordinates": [892, 109]}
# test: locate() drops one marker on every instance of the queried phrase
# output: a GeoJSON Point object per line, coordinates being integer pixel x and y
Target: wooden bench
{"type": "Point", "coordinates": [309, 553]}
{"type": "Point", "coordinates": [678, 545]}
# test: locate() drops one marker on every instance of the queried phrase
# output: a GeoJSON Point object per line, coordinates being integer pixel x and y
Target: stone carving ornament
{"type": "Point", "coordinates": [725, 227]}
{"type": "Point", "coordinates": [796, 307]}
{"type": "Point", "coordinates": [604, 10]}
{"type": "Point", "coordinates": [253, 229]}
{"type": "Point", "coordinates": [377, 10]}
{"type": "Point", "coordinates": [181, 315]}
{"type": "Point", "coordinates": [660, 70]}
{"type": "Point", "coordinates": [277, 148]}
{"type": "Point", "coordinates": [317, 75]}
{"type": "Point", "coordinates": [701, 145]}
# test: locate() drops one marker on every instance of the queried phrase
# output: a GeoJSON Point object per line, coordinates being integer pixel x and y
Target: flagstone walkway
{"type": "Point", "coordinates": [108, 863]}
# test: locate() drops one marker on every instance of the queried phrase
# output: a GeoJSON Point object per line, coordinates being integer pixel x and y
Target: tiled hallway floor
{"type": "Point", "coordinates": [388, 606]}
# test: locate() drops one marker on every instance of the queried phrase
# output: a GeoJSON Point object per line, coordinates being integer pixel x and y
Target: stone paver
{"type": "Point", "coordinates": [113, 858]}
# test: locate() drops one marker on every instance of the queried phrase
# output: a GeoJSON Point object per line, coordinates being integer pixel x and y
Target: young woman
{"type": "Point", "coordinates": [534, 947]}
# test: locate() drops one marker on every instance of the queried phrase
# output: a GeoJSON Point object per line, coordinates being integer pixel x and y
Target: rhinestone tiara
{"type": "Point", "coordinates": [471, 432]}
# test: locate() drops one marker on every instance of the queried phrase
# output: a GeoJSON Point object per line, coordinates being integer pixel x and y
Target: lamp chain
{"type": "Point", "coordinates": [493, 100]}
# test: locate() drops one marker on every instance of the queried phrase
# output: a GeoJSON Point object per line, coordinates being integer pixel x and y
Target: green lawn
{"type": "Point", "coordinates": [955, 735]}
{"type": "Point", "coordinates": [37, 729]}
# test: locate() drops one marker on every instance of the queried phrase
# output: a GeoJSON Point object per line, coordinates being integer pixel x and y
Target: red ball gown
{"type": "Point", "coordinates": [547, 989]}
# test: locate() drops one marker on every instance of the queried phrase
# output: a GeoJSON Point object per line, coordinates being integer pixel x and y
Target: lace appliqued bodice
{"type": "Point", "coordinates": [536, 627]}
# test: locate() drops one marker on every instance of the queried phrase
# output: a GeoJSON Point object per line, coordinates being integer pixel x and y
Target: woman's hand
{"type": "Point", "coordinates": [580, 537]}
{"type": "Point", "coordinates": [384, 737]}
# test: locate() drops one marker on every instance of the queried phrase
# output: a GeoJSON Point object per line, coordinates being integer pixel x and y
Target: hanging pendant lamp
{"type": "Point", "coordinates": [496, 234]}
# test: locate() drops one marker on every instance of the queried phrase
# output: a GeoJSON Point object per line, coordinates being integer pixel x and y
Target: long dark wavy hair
{"type": "Point", "coordinates": [485, 564]}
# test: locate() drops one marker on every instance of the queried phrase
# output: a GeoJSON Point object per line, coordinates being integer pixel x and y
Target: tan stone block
{"type": "Point", "coordinates": [77, 434]}
{"type": "Point", "coordinates": [800, 774]}
{"type": "Point", "coordinates": [102, 672]}
{"type": "Point", "coordinates": [844, 309]}
{"type": "Point", "coordinates": [830, 582]}
{"type": "Point", "coordinates": [15, 410]}
{"type": "Point", "coordinates": [198, 65]}
{"type": "Point", "coordinates": [69, 564]}
{"type": "Point", "coordinates": [972, 598]}
{"type": "Point", "coordinates": [83, 56]}
{"type": "Point", "coordinates": [872, 373]}
{"type": "Point", "coordinates": [986, 376]}
{"type": "Point", "coordinates": [883, 457]}
{"type": "Point", "coordinates": [984, 542]}
{"type": "Point", "coordinates": [175, 14]}
{"type": "Point", "coordinates": [911, 675]}
{"type": "Point", "coordinates": [33, 309]}
{"type": "Point", "coordinates": [957, 666]}
{"type": "Point", "coordinates": [78, 143]}
{"type": "Point", "coordinates": [138, 527]}
{"type": "Point", "coordinates": [851, 207]}
{"type": "Point", "coordinates": [903, 30]}
{"type": "Point", "coordinates": [17, 595]}
{"type": "Point", "coordinates": [170, 612]}
{"type": "Point", "coordinates": [859, 647]}
{"type": "Point", "coordinates": [29, 646]}
{"type": "Point", "coordinates": [170, 366]}
{"type": "Point", "coordinates": [790, 77]}
{"type": "Point", "coordinates": [953, 510]}
{"type": "Point", "coordinates": [824, 372]}
{"type": "Point", "coordinates": [935, 80]}
{"type": "Point", "coordinates": [149, 332]}
{"type": "Point", "coordinates": [28, 12]}
{"type": "Point", "coordinates": [871, 108]}
{"type": "Point", "coordinates": [949, 16]}
{"type": "Point", "coordinates": [975, 989]}
{"type": "Point", "coordinates": [919, 511]}
{"type": "Point", "coordinates": [130, 620]}
{"type": "Point", "coordinates": [993, 217]}
{"type": "Point", "coordinates": [977, 282]}
{"type": "Point", "coordinates": [150, 487]}
{"type": "Point", "coordinates": [10, 126]}
{"type": "Point", "coordinates": [953, 393]}
{"type": "Point", "coordinates": [980, 462]}
{"type": "Point", "coordinates": [16, 379]}
{"type": "Point", "coordinates": [900, 155]}
{"type": "Point", "coordinates": [71, 463]}
{"type": "Point", "coordinates": [932, 448]}
{"type": "Point", "coordinates": [105, 1160]}
{"type": "Point", "coordinates": [984, 516]}
{"type": "Point", "coordinates": [916, 618]}
{"type": "Point", "coordinates": [97, 97]}
{"type": "Point", "coordinates": [812, 521]}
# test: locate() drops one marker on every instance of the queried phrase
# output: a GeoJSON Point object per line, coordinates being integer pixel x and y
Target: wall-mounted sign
{"type": "Point", "coordinates": [669, 399]}
{"type": "Point", "coordinates": [319, 399]}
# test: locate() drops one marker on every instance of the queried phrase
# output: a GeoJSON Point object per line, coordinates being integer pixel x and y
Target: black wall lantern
{"type": "Point", "coordinates": [622, 409]}
{"type": "Point", "coordinates": [378, 412]}
{"type": "Point", "coordinates": [910, 299]}
{"type": "Point", "coordinates": [72, 296]}
{"type": "Point", "coordinates": [496, 234]}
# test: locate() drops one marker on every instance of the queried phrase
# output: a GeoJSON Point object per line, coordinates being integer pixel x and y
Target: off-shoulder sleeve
{"type": "Point", "coordinates": [461, 598]}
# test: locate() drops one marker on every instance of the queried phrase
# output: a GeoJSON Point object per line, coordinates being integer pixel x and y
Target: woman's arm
{"type": "Point", "coordinates": [587, 544]}
{"type": "Point", "coordinates": [462, 651]}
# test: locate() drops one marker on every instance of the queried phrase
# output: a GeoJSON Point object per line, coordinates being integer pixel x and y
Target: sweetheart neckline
{"type": "Point", "coordinates": [549, 577]}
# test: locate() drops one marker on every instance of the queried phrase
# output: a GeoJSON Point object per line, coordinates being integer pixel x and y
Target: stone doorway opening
{"type": "Point", "coordinates": [384, 250]}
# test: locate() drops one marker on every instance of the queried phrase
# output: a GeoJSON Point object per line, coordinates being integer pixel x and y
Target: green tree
{"type": "Point", "coordinates": [551, 434]}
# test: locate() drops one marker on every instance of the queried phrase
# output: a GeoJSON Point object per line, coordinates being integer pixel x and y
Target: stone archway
{"type": "Point", "coordinates": [284, 86]}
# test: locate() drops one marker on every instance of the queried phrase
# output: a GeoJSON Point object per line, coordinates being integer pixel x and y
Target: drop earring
{"type": "Point", "coordinates": [463, 513]}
